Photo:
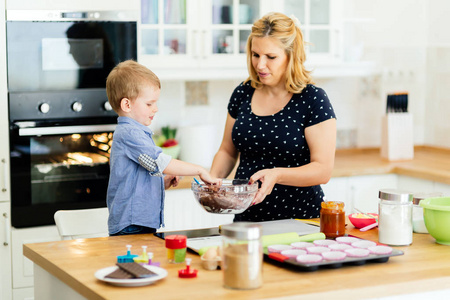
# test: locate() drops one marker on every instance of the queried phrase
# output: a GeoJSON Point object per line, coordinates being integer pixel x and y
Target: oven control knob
{"type": "Point", "coordinates": [107, 106]}
{"type": "Point", "coordinates": [77, 106]}
{"type": "Point", "coordinates": [44, 108]}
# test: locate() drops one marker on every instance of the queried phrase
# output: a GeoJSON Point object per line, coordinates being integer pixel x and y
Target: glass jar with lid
{"type": "Point", "coordinates": [242, 255]}
{"type": "Point", "coordinates": [395, 217]}
{"type": "Point", "coordinates": [332, 219]}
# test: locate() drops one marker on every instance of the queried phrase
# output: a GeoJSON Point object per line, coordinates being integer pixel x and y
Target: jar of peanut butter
{"type": "Point", "coordinates": [332, 219]}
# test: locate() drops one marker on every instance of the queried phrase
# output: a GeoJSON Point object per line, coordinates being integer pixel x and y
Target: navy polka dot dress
{"type": "Point", "coordinates": [278, 140]}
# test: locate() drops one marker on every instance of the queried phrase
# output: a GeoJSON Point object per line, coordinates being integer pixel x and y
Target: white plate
{"type": "Point", "coordinates": [160, 274]}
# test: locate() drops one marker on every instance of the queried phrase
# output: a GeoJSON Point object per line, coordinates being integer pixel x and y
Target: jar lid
{"type": "Point", "coordinates": [336, 205]}
{"type": "Point", "coordinates": [395, 195]}
{"type": "Point", "coordinates": [420, 196]}
{"type": "Point", "coordinates": [176, 241]}
{"type": "Point", "coordinates": [242, 231]}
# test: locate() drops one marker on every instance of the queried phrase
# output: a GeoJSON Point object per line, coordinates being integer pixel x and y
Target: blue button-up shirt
{"type": "Point", "coordinates": [135, 193]}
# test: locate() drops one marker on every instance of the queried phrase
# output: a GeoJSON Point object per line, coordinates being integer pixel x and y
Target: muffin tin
{"type": "Point", "coordinates": [285, 261]}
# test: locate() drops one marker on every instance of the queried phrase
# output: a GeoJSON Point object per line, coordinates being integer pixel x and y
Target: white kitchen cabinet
{"type": "Point", "coordinates": [443, 188]}
{"type": "Point", "coordinates": [320, 22]}
{"type": "Point", "coordinates": [181, 212]}
{"type": "Point", "coordinates": [359, 191]}
{"type": "Point", "coordinates": [5, 251]}
{"type": "Point", "coordinates": [23, 294]}
{"type": "Point", "coordinates": [337, 189]}
{"type": "Point", "coordinates": [22, 269]}
{"type": "Point", "coordinates": [205, 40]}
{"type": "Point", "coordinates": [364, 190]}
{"type": "Point", "coordinates": [4, 140]}
{"type": "Point", "coordinates": [417, 185]}
{"type": "Point", "coordinates": [189, 35]}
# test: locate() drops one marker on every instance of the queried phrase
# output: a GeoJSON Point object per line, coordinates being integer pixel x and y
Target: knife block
{"type": "Point", "coordinates": [397, 137]}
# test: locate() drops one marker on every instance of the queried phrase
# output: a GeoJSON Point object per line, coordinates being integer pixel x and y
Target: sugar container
{"type": "Point", "coordinates": [395, 226]}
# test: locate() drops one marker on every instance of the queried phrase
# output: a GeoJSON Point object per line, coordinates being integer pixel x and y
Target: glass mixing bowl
{"type": "Point", "coordinates": [232, 197]}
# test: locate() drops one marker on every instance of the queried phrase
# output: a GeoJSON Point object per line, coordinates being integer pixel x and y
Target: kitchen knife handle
{"type": "Point", "coordinates": [405, 103]}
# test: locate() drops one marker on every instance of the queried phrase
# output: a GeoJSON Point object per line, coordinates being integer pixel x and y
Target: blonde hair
{"type": "Point", "coordinates": [126, 80]}
{"type": "Point", "coordinates": [284, 29]}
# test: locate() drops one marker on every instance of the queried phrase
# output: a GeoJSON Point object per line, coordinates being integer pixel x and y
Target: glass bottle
{"type": "Point", "coordinates": [242, 256]}
{"type": "Point", "coordinates": [395, 226]}
{"type": "Point", "coordinates": [332, 219]}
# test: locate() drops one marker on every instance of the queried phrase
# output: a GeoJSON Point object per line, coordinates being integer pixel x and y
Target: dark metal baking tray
{"type": "Point", "coordinates": [283, 261]}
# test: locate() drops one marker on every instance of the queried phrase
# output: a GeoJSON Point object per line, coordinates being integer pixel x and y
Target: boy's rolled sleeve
{"type": "Point", "coordinates": [163, 161]}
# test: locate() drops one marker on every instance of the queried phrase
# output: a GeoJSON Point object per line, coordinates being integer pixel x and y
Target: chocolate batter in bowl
{"type": "Point", "coordinates": [232, 197]}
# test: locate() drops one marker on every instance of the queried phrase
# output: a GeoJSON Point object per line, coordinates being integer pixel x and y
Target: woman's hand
{"type": "Point", "coordinates": [171, 181]}
{"type": "Point", "coordinates": [268, 178]}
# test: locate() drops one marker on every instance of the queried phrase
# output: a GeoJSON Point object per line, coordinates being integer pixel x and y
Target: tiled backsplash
{"type": "Point", "coordinates": [196, 92]}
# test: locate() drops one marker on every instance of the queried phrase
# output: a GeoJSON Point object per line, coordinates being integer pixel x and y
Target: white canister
{"type": "Point", "coordinates": [395, 226]}
{"type": "Point", "coordinates": [418, 221]}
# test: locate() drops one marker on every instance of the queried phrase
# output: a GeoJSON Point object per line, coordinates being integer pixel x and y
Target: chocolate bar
{"type": "Point", "coordinates": [119, 274]}
{"type": "Point", "coordinates": [136, 270]}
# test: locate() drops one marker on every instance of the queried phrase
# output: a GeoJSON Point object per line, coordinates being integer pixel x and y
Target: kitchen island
{"type": "Point", "coordinates": [65, 270]}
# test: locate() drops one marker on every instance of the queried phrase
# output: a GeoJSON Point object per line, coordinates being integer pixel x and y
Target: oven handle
{"type": "Point", "coordinates": [37, 131]}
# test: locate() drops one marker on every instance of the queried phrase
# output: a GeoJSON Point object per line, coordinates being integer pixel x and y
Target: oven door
{"type": "Point", "coordinates": [57, 167]}
{"type": "Point", "coordinates": [64, 54]}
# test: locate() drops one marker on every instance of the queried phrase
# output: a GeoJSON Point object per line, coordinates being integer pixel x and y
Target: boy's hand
{"type": "Point", "coordinates": [207, 178]}
{"type": "Point", "coordinates": [171, 181]}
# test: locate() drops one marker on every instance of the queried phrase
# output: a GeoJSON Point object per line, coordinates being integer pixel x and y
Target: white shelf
{"type": "Point", "coordinates": [343, 69]}
{"type": "Point", "coordinates": [319, 70]}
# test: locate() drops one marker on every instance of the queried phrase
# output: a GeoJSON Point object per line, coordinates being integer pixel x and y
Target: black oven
{"type": "Point", "coordinates": [61, 123]}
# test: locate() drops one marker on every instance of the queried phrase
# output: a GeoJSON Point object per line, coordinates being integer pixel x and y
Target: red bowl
{"type": "Point", "coordinates": [359, 220]}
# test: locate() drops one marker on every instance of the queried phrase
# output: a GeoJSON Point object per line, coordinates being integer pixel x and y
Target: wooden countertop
{"type": "Point", "coordinates": [423, 267]}
{"type": "Point", "coordinates": [430, 163]}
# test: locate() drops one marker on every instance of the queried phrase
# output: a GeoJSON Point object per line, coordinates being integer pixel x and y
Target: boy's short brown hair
{"type": "Point", "coordinates": [126, 81]}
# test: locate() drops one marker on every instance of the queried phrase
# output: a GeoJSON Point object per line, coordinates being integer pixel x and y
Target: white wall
{"type": "Point", "coordinates": [437, 120]}
{"type": "Point", "coordinates": [409, 41]}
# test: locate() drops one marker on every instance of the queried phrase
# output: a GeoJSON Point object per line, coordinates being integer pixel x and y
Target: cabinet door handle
{"type": "Point", "coordinates": [7, 229]}
{"type": "Point", "coordinates": [5, 175]}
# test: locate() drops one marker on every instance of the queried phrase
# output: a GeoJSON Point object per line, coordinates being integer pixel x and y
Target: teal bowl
{"type": "Point", "coordinates": [436, 214]}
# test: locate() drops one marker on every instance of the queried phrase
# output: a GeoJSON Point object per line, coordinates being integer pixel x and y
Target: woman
{"type": "Point", "coordinates": [280, 126]}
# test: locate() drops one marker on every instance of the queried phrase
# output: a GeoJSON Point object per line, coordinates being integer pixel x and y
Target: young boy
{"type": "Point", "coordinates": [135, 196]}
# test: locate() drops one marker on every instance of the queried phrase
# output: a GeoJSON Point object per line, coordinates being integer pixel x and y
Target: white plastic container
{"type": "Point", "coordinates": [395, 225]}
{"type": "Point", "coordinates": [418, 221]}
